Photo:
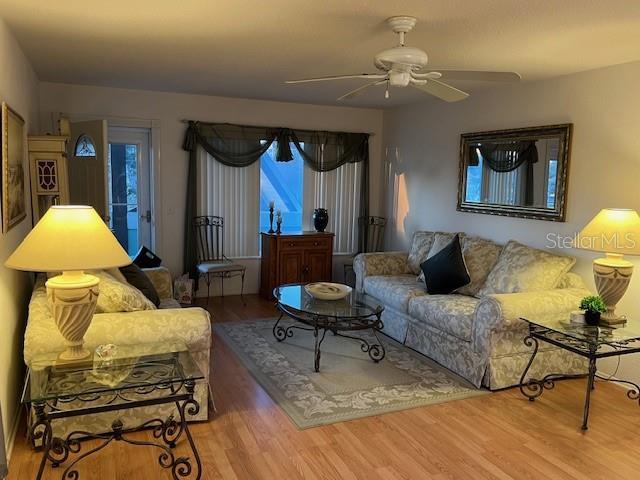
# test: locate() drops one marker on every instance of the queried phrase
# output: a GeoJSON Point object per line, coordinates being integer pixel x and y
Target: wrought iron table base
{"type": "Point", "coordinates": [533, 388]}
{"type": "Point", "coordinates": [319, 326]}
{"type": "Point", "coordinates": [57, 450]}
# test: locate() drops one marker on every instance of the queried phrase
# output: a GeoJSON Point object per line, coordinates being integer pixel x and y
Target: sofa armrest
{"type": "Point", "coordinates": [503, 311]}
{"type": "Point", "coordinates": [190, 326]}
{"type": "Point", "coordinates": [379, 263]}
{"type": "Point", "coordinates": [162, 281]}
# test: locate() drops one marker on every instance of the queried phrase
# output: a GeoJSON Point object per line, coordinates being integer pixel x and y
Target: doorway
{"type": "Point", "coordinates": [129, 186]}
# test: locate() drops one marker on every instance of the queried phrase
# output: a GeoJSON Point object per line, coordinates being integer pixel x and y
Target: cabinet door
{"type": "Point", "coordinates": [318, 266]}
{"type": "Point", "coordinates": [291, 267]}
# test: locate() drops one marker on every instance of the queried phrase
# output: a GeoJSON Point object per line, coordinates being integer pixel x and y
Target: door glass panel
{"type": "Point", "coordinates": [122, 173]}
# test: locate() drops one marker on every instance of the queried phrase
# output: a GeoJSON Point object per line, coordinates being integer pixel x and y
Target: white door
{"type": "Point", "coordinates": [87, 165]}
{"type": "Point", "coordinates": [129, 187]}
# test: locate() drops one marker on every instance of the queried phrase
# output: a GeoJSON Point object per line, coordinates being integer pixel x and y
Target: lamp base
{"type": "Point", "coordinates": [612, 275]}
{"type": "Point", "coordinates": [73, 297]}
{"type": "Point", "coordinates": [612, 322]}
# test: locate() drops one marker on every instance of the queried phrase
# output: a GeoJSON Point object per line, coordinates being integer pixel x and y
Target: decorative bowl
{"type": "Point", "coordinates": [327, 290]}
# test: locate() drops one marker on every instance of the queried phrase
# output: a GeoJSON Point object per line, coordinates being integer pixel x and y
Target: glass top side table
{"type": "Point", "coordinates": [130, 377]}
{"type": "Point", "coordinates": [591, 342]}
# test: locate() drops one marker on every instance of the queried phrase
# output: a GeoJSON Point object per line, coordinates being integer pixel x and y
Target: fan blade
{"type": "Point", "coordinates": [506, 77]}
{"type": "Point", "coordinates": [359, 90]}
{"type": "Point", "coordinates": [442, 91]}
{"type": "Point", "coordinates": [339, 77]}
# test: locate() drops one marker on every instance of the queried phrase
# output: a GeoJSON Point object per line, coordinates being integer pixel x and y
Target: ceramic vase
{"type": "Point", "coordinates": [320, 219]}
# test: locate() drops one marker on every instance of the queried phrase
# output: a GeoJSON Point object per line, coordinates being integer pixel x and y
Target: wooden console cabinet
{"type": "Point", "coordinates": [294, 258]}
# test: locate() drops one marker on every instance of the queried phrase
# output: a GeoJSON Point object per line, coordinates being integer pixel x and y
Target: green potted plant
{"type": "Point", "coordinates": [593, 307]}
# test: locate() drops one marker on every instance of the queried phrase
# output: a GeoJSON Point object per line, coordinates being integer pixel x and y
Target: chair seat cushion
{"type": "Point", "coordinates": [452, 314]}
{"type": "Point", "coordinates": [394, 290]}
{"type": "Point", "coordinates": [220, 266]}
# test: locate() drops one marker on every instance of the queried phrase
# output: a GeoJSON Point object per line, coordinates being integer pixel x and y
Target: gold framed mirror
{"type": "Point", "coordinates": [516, 173]}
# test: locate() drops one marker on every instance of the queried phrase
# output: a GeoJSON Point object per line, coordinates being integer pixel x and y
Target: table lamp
{"type": "Point", "coordinates": [70, 239]}
{"type": "Point", "coordinates": [615, 231]}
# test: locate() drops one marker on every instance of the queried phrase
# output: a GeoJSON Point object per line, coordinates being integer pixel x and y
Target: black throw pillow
{"type": "Point", "coordinates": [145, 258]}
{"type": "Point", "coordinates": [446, 271]}
{"type": "Point", "coordinates": [136, 277]}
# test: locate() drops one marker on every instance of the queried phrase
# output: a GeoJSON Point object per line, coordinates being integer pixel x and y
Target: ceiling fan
{"type": "Point", "coordinates": [404, 66]}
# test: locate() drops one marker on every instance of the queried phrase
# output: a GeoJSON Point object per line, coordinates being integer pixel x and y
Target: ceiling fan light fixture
{"type": "Point", "coordinates": [399, 79]}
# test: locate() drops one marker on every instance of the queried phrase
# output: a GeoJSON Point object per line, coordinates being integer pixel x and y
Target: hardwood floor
{"type": "Point", "coordinates": [498, 436]}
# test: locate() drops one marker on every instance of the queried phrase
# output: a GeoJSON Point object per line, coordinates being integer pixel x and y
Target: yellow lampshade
{"type": "Point", "coordinates": [68, 238]}
{"type": "Point", "coordinates": [613, 230]}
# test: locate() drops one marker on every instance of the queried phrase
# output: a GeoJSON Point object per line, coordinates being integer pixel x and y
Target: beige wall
{"type": "Point", "coordinates": [170, 108]}
{"type": "Point", "coordinates": [19, 88]}
{"type": "Point", "coordinates": [423, 141]}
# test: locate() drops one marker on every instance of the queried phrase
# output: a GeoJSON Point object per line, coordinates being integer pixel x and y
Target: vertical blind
{"type": "Point", "coordinates": [234, 194]}
{"type": "Point", "coordinates": [240, 146]}
{"type": "Point", "coordinates": [339, 192]}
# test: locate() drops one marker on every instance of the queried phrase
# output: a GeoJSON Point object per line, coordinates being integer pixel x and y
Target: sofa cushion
{"type": "Point", "coordinates": [394, 290]}
{"type": "Point", "coordinates": [480, 256]}
{"type": "Point", "coordinates": [115, 296]}
{"type": "Point", "coordinates": [452, 314]}
{"type": "Point", "coordinates": [446, 271]}
{"type": "Point", "coordinates": [420, 246]}
{"type": "Point", "coordinates": [167, 303]}
{"type": "Point", "coordinates": [525, 269]}
{"type": "Point", "coordinates": [136, 277]}
{"type": "Point", "coordinates": [440, 240]}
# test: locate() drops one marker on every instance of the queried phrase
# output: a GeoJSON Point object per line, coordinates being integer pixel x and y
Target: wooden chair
{"type": "Point", "coordinates": [209, 232]}
{"type": "Point", "coordinates": [372, 240]}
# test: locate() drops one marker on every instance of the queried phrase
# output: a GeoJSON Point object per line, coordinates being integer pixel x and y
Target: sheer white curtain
{"type": "Point", "coordinates": [339, 192]}
{"type": "Point", "coordinates": [234, 194]}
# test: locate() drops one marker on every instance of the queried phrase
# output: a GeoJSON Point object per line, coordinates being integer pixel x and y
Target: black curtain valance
{"type": "Point", "coordinates": [504, 157]}
{"type": "Point", "coordinates": [241, 146]}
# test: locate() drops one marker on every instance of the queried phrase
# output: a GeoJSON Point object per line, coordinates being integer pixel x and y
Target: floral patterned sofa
{"type": "Point", "coordinates": [145, 331]}
{"type": "Point", "coordinates": [475, 332]}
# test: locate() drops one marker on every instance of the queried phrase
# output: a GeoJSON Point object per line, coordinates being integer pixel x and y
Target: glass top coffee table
{"type": "Point", "coordinates": [355, 312]}
{"type": "Point", "coordinates": [591, 342]}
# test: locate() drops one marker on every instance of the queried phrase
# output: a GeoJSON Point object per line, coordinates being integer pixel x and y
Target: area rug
{"type": "Point", "coordinates": [349, 385]}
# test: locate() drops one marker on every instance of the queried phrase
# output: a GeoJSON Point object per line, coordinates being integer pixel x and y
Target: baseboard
{"type": "Point", "coordinates": [11, 439]}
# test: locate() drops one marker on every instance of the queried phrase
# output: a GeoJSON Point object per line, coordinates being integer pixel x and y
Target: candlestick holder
{"type": "Point", "coordinates": [271, 220]}
{"type": "Point", "coordinates": [278, 224]}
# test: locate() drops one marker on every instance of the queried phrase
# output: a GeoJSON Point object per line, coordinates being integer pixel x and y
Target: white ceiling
{"type": "Point", "coordinates": [247, 48]}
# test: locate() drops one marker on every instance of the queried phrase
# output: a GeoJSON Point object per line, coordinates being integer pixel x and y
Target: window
{"type": "Point", "coordinates": [242, 195]}
{"type": "Point", "coordinates": [85, 147]}
{"type": "Point", "coordinates": [489, 186]}
{"type": "Point", "coordinates": [474, 180]}
{"type": "Point", "coordinates": [551, 183]}
{"type": "Point", "coordinates": [281, 182]}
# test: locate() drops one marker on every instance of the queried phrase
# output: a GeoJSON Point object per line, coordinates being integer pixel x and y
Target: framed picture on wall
{"type": "Point", "coordinates": [13, 155]}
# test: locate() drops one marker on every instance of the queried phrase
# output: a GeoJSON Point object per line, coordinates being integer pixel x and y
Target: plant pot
{"type": "Point", "coordinates": [320, 219]}
{"type": "Point", "coordinates": [591, 318]}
